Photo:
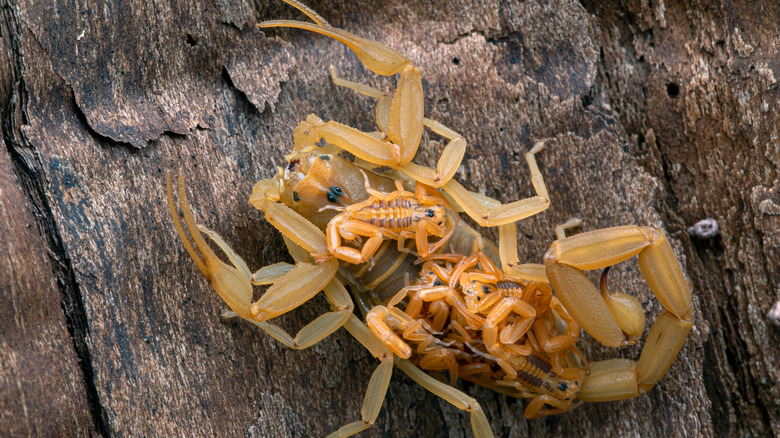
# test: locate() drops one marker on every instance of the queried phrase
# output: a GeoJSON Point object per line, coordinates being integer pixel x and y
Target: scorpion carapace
{"type": "Point", "coordinates": [463, 307]}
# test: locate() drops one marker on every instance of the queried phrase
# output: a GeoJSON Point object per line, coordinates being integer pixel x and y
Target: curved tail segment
{"type": "Point", "coordinates": [607, 315]}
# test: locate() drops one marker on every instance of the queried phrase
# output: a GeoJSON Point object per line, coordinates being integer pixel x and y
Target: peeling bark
{"type": "Point", "coordinates": [658, 114]}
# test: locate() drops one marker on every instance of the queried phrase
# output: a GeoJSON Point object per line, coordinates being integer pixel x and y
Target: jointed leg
{"type": "Point", "coordinates": [380, 380]}
{"type": "Point", "coordinates": [490, 212]}
{"type": "Point", "coordinates": [479, 423]}
{"type": "Point", "coordinates": [561, 229]}
{"type": "Point", "coordinates": [537, 407]}
{"type": "Point", "coordinates": [377, 322]}
{"type": "Point", "coordinates": [363, 89]}
{"type": "Point", "coordinates": [341, 226]}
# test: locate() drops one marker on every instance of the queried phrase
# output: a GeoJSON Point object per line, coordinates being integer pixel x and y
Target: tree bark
{"type": "Point", "coordinates": [653, 113]}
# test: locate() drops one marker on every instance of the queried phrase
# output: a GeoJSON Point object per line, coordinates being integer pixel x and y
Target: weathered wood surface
{"type": "Point", "coordinates": [655, 114]}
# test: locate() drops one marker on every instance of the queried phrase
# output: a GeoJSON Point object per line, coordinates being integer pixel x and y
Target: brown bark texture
{"type": "Point", "coordinates": [657, 113]}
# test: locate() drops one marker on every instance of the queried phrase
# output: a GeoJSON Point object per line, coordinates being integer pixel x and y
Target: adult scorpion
{"type": "Point", "coordinates": [498, 349]}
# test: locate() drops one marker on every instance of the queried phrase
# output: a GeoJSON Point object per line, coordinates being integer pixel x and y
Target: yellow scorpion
{"type": "Point", "coordinates": [293, 202]}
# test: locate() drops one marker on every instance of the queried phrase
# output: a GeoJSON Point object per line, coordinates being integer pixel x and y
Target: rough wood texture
{"type": "Point", "coordinates": [658, 114]}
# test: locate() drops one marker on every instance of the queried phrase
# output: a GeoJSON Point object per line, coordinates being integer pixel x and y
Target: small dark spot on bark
{"type": "Point", "coordinates": [672, 90]}
{"type": "Point", "coordinates": [587, 100]}
{"type": "Point", "coordinates": [191, 40]}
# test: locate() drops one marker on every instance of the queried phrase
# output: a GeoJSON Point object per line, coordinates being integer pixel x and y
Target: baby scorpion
{"type": "Point", "coordinates": [398, 215]}
{"type": "Point", "coordinates": [448, 335]}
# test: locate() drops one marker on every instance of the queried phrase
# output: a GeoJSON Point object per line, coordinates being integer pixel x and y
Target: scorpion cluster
{"type": "Point", "coordinates": [435, 295]}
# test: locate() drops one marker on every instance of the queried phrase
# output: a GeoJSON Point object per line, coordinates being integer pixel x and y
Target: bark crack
{"type": "Point", "coordinates": [28, 168]}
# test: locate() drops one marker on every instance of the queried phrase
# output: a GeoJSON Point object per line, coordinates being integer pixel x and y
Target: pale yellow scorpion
{"type": "Point", "coordinates": [470, 308]}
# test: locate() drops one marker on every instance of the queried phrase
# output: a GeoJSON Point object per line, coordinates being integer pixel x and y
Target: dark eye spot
{"type": "Point", "coordinates": [485, 289]}
{"type": "Point", "coordinates": [295, 197]}
{"type": "Point", "coordinates": [430, 213]}
{"type": "Point", "coordinates": [563, 387]}
{"type": "Point", "coordinates": [337, 191]}
{"type": "Point", "coordinates": [576, 383]}
{"type": "Point", "coordinates": [324, 157]}
{"type": "Point", "coordinates": [331, 197]}
{"type": "Point", "coordinates": [437, 283]}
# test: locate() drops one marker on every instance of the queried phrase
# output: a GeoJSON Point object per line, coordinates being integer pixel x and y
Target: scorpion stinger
{"type": "Point", "coordinates": [619, 379]}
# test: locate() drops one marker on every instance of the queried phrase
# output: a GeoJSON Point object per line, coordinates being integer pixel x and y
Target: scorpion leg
{"type": "Point", "coordinates": [380, 380]}
{"type": "Point", "coordinates": [501, 311]}
{"type": "Point", "coordinates": [350, 229]}
{"type": "Point", "coordinates": [507, 239]}
{"type": "Point", "coordinates": [377, 320]}
{"type": "Point", "coordinates": [451, 157]}
{"type": "Point", "coordinates": [544, 329]}
{"type": "Point", "coordinates": [561, 229]}
{"type": "Point", "coordinates": [384, 100]}
{"type": "Point", "coordinates": [537, 408]}
{"type": "Point", "coordinates": [488, 212]}
{"type": "Point", "coordinates": [479, 423]}
{"type": "Point", "coordinates": [599, 249]}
